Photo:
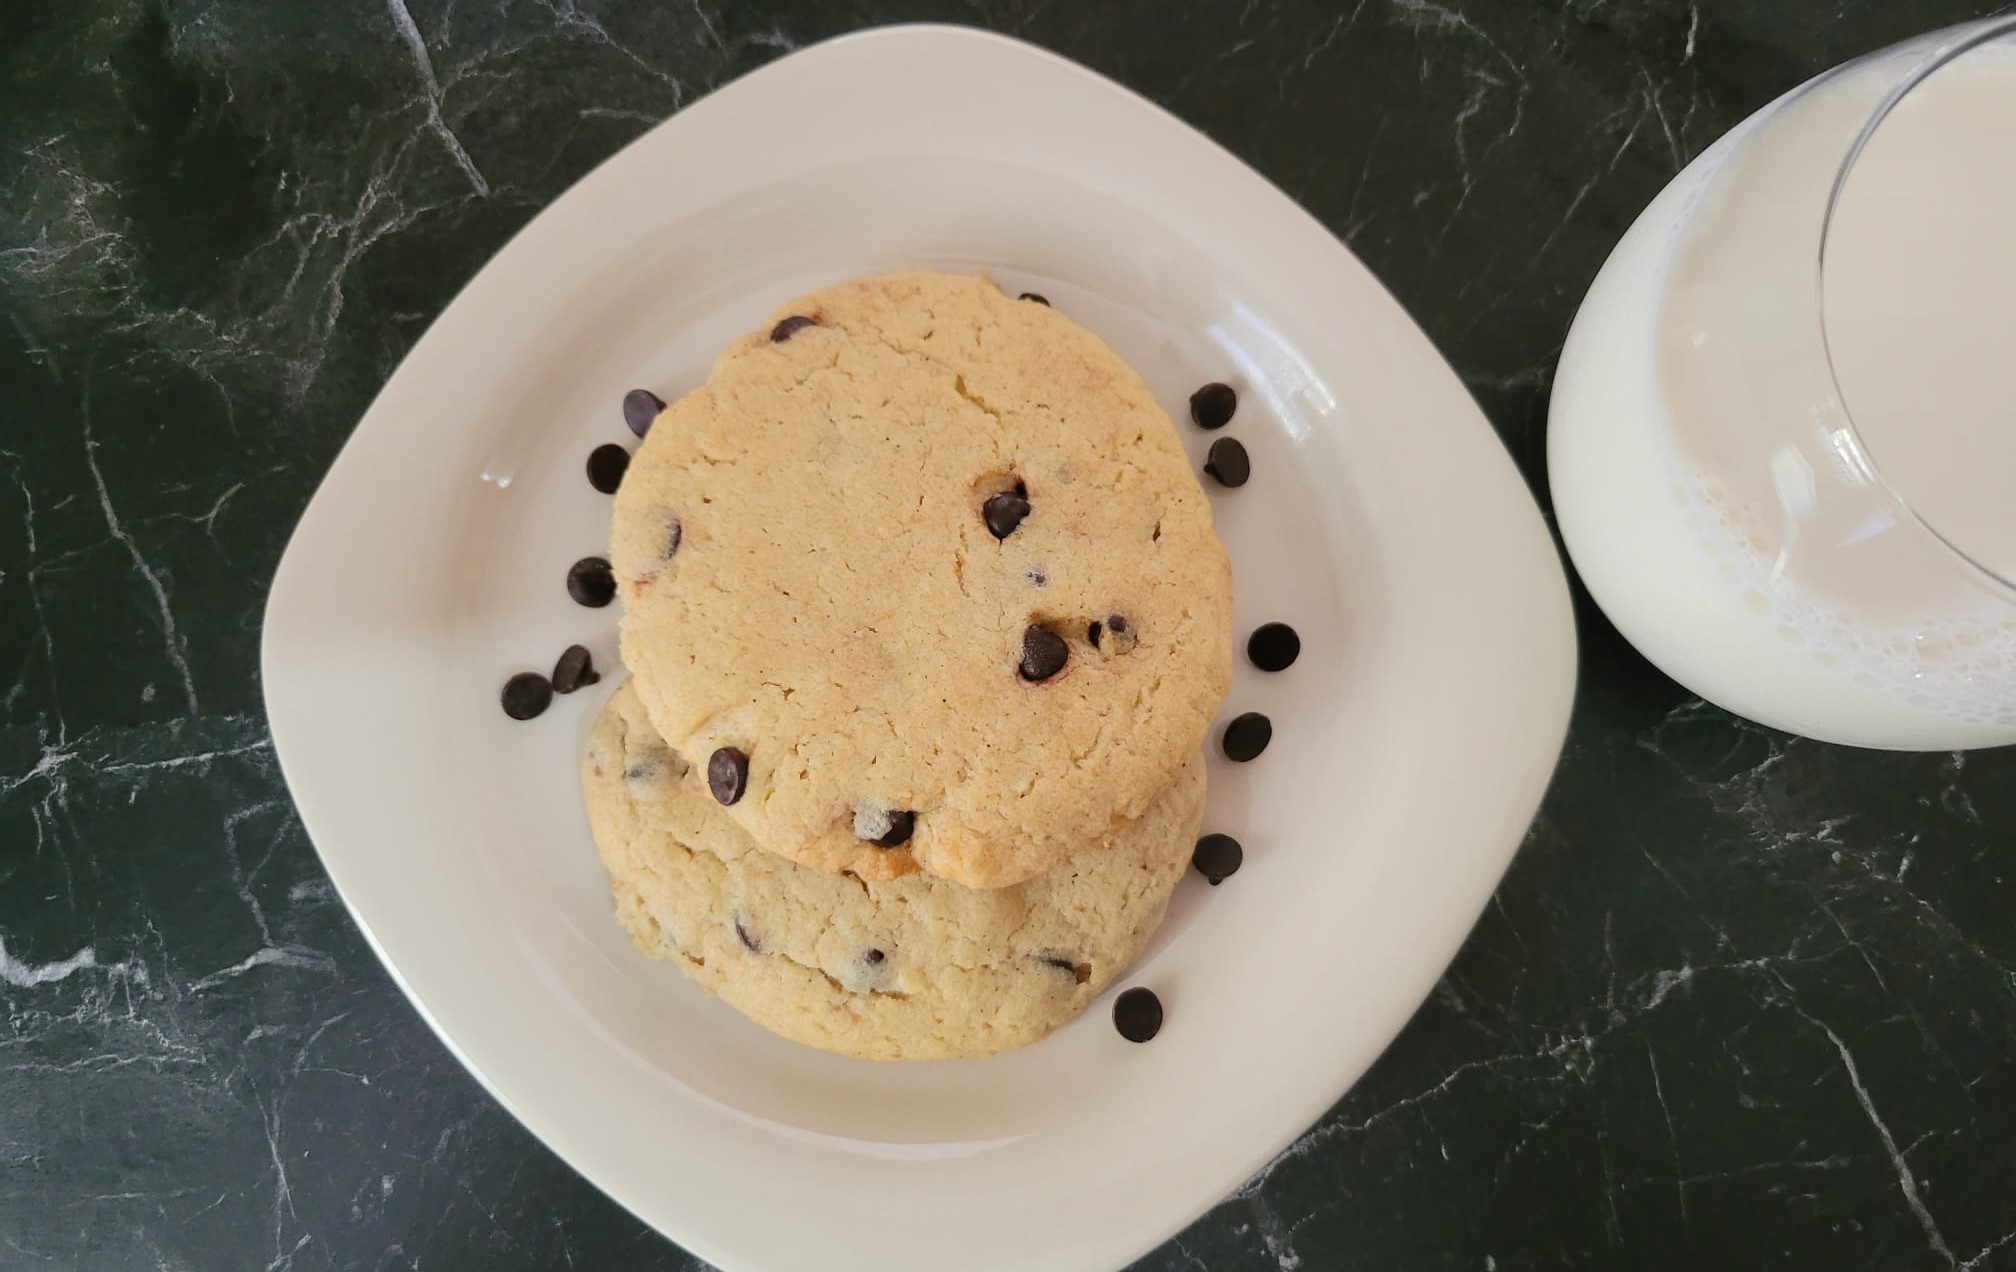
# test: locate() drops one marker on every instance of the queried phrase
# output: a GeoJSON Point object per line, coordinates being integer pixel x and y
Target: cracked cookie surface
{"type": "Point", "coordinates": [926, 569]}
{"type": "Point", "coordinates": [911, 968]}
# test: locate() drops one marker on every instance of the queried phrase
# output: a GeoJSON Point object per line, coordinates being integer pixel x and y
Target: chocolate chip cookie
{"type": "Point", "coordinates": [921, 579]}
{"type": "Point", "coordinates": [910, 968]}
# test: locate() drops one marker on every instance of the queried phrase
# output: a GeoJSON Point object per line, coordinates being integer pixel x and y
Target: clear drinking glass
{"type": "Point", "coordinates": [1783, 430]}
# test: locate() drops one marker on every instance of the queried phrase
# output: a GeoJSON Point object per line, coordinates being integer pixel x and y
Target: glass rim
{"type": "Point", "coordinates": [1958, 42]}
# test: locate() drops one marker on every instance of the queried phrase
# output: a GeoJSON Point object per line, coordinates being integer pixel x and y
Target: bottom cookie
{"type": "Point", "coordinates": [914, 968]}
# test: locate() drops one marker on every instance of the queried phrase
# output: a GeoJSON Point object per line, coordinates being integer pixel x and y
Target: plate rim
{"type": "Point", "coordinates": [549, 1128]}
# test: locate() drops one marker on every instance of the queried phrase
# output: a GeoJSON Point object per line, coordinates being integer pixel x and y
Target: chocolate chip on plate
{"type": "Point", "coordinates": [1003, 512]}
{"type": "Point", "coordinates": [575, 670]}
{"type": "Point", "coordinates": [790, 327]}
{"type": "Point", "coordinates": [727, 774]}
{"type": "Point", "coordinates": [605, 467]}
{"type": "Point", "coordinates": [1217, 858]}
{"type": "Point", "coordinates": [1227, 462]}
{"type": "Point", "coordinates": [526, 695]}
{"type": "Point", "coordinates": [1247, 736]}
{"type": "Point", "coordinates": [590, 582]}
{"type": "Point", "coordinates": [1212, 405]}
{"type": "Point", "coordinates": [1137, 1014]}
{"type": "Point", "coordinates": [1037, 297]}
{"type": "Point", "coordinates": [640, 407]}
{"type": "Point", "coordinates": [1044, 653]}
{"type": "Point", "coordinates": [1273, 646]}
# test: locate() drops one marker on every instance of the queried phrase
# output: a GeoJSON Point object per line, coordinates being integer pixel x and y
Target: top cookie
{"type": "Point", "coordinates": [926, 571]}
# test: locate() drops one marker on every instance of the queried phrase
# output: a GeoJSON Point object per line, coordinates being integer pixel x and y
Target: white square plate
{"type": "Point", "coordinates": [1412, 741]}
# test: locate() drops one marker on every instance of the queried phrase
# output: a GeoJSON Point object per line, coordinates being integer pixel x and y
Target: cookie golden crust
{"type": "Point", "coordinates": [905, 969]}
{"type": "Point", "coordinates": [880, 557]}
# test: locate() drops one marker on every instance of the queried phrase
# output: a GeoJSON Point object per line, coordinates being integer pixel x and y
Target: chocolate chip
{"type": "Point", "coordinates": [1247, 736]}
{"type": "Point", "coordinates": [1137, 1014]}
{"type": "Point", "coordinates": [1037, 577]}
{"type": "Point", "coordinates": [727, 774]}
{"type": "Point", "coordinates": [1212, 405]}
{"type": "Point", "coordinates": [575, 670]}
{"type": "Point", "coordinates": [657, 764]}
{"type": "Point", "coordinates": [1080, 972]}
{"type": "Point", "coordinates": [1113, 635]}
{"type": "Point", "coordinates": [1227, 462]}
{"type": "Point", "coordinates": [790, 327]}
{"type": "Point", "coordinates": [590, 583]}
{"type": "Point", "coordinates": [901, 825]}
{"type": "Point", "coordinates": [1003, 512]}
{"type": "Point", "coordinates": [673, 533]}
{"type": "Point", "coordinates": [1044, 653]}
{"type": "Point", "coordinates": [1217, 858]}
{"type": "Point", "coordinates": [749, 942]}
{"type": "Point", "coordinates": [640, 407]}
{"type": "Point", "coordinates": [526, 695]}
{"type": "Point", "coordinates": [1273, 646]}
{"type": "Point", "coordinates": [1039, 299]}
{"type": "Point", "coordinates": [873, 957]}
{"type": "Point", "coordinates": [605, 467]}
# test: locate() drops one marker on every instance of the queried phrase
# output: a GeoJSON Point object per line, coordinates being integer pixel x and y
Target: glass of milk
{"type": "Point", "coordinates": [1782, 442]}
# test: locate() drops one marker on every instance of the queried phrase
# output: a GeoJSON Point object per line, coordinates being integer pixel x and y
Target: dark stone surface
{"type": "Point", "coordinates": [1742, 1002]}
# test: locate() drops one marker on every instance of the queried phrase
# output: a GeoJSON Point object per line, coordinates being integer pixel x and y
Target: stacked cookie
{"type": "Point", "coordinates": [926, 621]}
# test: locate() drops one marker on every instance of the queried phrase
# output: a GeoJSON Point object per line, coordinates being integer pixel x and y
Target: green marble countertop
{"type": "Point", "coordinates": [1743, 1001]}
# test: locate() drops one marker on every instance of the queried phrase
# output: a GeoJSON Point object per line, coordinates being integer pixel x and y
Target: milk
{"type": "Point", "coordinates": [1785, 541]}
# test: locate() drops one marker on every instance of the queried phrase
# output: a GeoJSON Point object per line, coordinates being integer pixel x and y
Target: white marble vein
{"type": "Point", "coordinates": [177, 648]}
{"type": "Point", "coordinates": [416, 45]}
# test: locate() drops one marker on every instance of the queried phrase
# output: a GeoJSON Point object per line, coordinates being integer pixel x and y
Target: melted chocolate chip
{"type": "Point", "coordinates": [1273, 646]}
{"type": "Point", "coordinates": [1137, 1014]}
{"type": "Point", "coordinates": [873, 957]}
{"type": "Point", "coordinates": [575, 670]}
{"type": "Point", "coordinates": [527, 694]}
{"type": "Point", "coordinates": [590, 583]}
{"type": "Point", "coordinates": [790, 327]}
{"type": "Point", "coordinates": [727, 774]}
{"type": "Point", "coordinates": [674, 532]}
{"type": "Point", "coordinates": [640, 407]}
{"type": "Point", "coordinates": [606, 465]}
{"type": "Point", "coordinates": [749, 942]}
{"type": "Point", "coordinates": [1037, 577]}
{"type": "Point", "coordinates": [1044, 653]}
{"type": "Point", "coordinates": [1212, 405]}
{"type": "Point", "coordinates": [1080, 972]}
{"type": "Point", "coordinates": [1003, 512]}
{"type": "Point", "coordinates": [1227, 462]}
{"type": "Point", "coordinates": [1038, 298]}
{"type": "Point", "coordinates": [901, 826]}
{"type": "Point", "coordinates": [1247, 736]}
{"type": "Point", "coordinates": [1217, 858]}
